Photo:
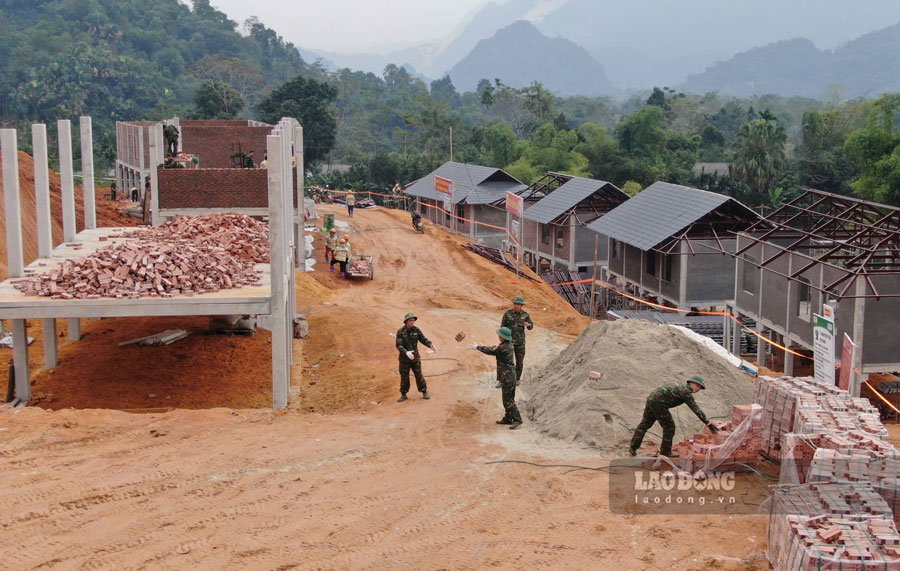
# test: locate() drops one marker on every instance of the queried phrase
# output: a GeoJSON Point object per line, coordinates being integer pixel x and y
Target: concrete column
{"type": "Point", "coordinates": [300, 223]}
{"type": "Point", "coordinates": [788, 362]}
{"type": "Point", "coordinates": [280, 367]}
{"type": "Point", "coordinates": [42, 190]}
{"type": "Point", "coordinates": [726, 331]}
{"type": "Point", "coordinates": [859, 320]}
{"type": "Point", "coordinates": [87, 172]}
{"type": "Point", "coordinates": [761, 345]}
{"type": "Point", "coordinates": [20, 358]}
{"type": "Point", "coordinates": [67, 179]}
{"type": "Point", "coordinates": [177, 122]}
{"type": "Point", "coordinates": [51, 354]}
{"type": "Point", "coordinates": [140, 174]}
{"type": "Point", "coordinates": [14, 255]}
{"type": "Point", "coordinates": [156, 158]}
{"type": "Point", "coordinates": [736, 331]}
{"type": "Point", "coordinates": [74, 328]}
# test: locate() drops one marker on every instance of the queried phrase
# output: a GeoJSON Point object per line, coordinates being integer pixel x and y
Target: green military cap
{"type": "Point", "coordinates": [519, 299]}
{"type": "Point", "coordinates": [409, 316]}
{"type": "Point", "coordinates": [505, 333]}
{"type": "Point", "coordinates": [699, 380]}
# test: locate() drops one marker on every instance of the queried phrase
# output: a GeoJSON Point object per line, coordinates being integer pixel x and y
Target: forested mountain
{"type": "Point", "coordinates": [130, 60]}
{"type": "Point", "coordinates": [865, 67]}
{"type": "Point", "coordinates": [520, 55]}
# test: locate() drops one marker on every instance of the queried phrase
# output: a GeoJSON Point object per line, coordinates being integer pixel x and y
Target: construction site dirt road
{"type": "Point", "coordinates": [345, 477]}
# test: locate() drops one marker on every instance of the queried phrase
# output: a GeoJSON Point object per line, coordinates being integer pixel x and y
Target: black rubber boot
{"type": "Point", "coordinates": [402, 398]}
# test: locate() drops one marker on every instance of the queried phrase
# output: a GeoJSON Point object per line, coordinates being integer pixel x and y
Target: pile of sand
{"type": "Point", "coordinates": [635, 358]}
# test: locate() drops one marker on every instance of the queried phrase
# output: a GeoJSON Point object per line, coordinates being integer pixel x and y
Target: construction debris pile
{"type": "Point", "coordinates": [635, 357]}
{"type": "Point", "coordinates": [570, 286]}
{"type": "Point", "coordinates": [494, 255]}
{"type": "Point", "coordinates": [186, 256]}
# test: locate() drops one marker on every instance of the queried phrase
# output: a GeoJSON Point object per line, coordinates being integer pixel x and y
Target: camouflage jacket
{"type": "Point", "coordinates": [671, 396]}
{"type": "Point", "coordinates": [332, 242]}
{"type": "Point", "coordinates": [517, 324]}
{"type": "Point", "coordinates": [408, 340]}
{"type": "Point", "coordinates": [506, 361]}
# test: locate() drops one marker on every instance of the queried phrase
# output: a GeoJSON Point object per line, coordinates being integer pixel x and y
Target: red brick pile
{"type": "Point", "coordinates": [737, 442]}
{"type": "Point", "coordinates": [241, 236]}
{"type": "Point", "coordinates": [360, 266]}
{"type": "Point", "coordinates": [831, 526]}
{"type": "Point", "coordinates": [187, 256]}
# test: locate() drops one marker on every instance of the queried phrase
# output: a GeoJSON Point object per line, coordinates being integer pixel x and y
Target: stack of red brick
{"type": "Point", "coordinates": [737, 442]}
{"type": "Point", "coordinates": [188, 256]}
{"type": "Point", "coordinates": [831, 526]}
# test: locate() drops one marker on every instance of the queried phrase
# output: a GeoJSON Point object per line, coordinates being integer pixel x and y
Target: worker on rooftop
{"type": "Point", "coordinates": [408, 338]}
{"type": "Point", "coordinates": [657, 410]}
{"type": "Point", "coordinates": [506, 375]}
{"type": "Point", "coordinates": [517, 320]}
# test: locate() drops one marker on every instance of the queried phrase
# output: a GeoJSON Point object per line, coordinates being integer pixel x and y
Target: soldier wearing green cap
{"type": "Point", "coordinates": [517, 320]}
{"type": "Point", "coordinates": [408, 338]}
{"type": "Point", "coordinates": [657, 410]}
{"type": "Point", "coordinates": [506, 375]}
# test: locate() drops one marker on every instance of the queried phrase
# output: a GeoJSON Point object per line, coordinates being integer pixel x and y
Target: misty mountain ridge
{"type": "Point", "coordinates": [865, 67]}
{"type": "Point", "coordinates": [642, 43]}
{"type": "Point", "coordinates": [519, 55]}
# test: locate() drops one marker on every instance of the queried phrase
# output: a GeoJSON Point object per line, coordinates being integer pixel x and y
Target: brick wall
{"type": "Point", "coordinates": [213, 142]}
{"type": "Point", "coordinates": [214, 188]}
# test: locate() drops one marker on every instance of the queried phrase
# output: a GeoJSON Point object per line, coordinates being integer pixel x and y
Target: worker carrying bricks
{"type": "Point", "coordinates": [342, 254]}
{"type": "Point", "coordinates": [657, 410]}
{"type": "Point", "coordinates": [517, 320]}
{"type": "Point", "coordinates": [408, 338]}
{"type": "Point", "coordinates": [351, 202]}
{"type": "Point", "coordinates": [331, 244]}
{"type": "Point", "coordinates": [506, 375]}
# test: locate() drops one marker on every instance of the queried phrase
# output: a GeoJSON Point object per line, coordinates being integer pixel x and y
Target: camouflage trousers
{"type": "Point", "coordinates": [520, 361]}
{"type": "Point", "coordinates": [509, 403]}
{"type": "Point", "coordinates": [416, 367]}
{"type": "Point", "coordinates": [655, 413]}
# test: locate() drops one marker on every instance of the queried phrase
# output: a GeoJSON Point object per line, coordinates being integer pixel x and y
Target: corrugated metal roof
{"type": "Point", "coordinates": [657, 213]}
{"type": "Point", "coordinates": [567, 196]}
{"type": "Point", "coordinates": [472, 184]}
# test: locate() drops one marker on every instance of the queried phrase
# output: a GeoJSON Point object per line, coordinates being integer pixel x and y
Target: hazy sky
{"type": "Point", "coordinates": [312, 24]}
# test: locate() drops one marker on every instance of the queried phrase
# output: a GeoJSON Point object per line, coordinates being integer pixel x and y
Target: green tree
{"type": "Point", "coordinates": [312, 103]}
{"type": "Point", "coordinates": [760, 157]}
{"type": "Point", "coordinates": [443, 91]}
{"type": "Point", "coordinates": [216, 100]}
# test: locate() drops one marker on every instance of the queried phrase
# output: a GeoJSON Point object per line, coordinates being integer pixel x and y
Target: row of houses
{"type": "Point", "coordinates": [687, 248]}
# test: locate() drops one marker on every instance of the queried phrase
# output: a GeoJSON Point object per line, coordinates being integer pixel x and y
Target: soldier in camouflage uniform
{"type": "Point", "coordinates": [506, 374]}
{"type": "Point", "coordinates": [408, 338]}
{"type": "Point", "coordinates": [657, 410]}
{"type": "Point", "coordinates": [517, 320]}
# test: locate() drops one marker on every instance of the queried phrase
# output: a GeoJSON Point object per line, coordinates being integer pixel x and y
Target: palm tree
{"type": "Point", "coordinates": [760, 155]}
